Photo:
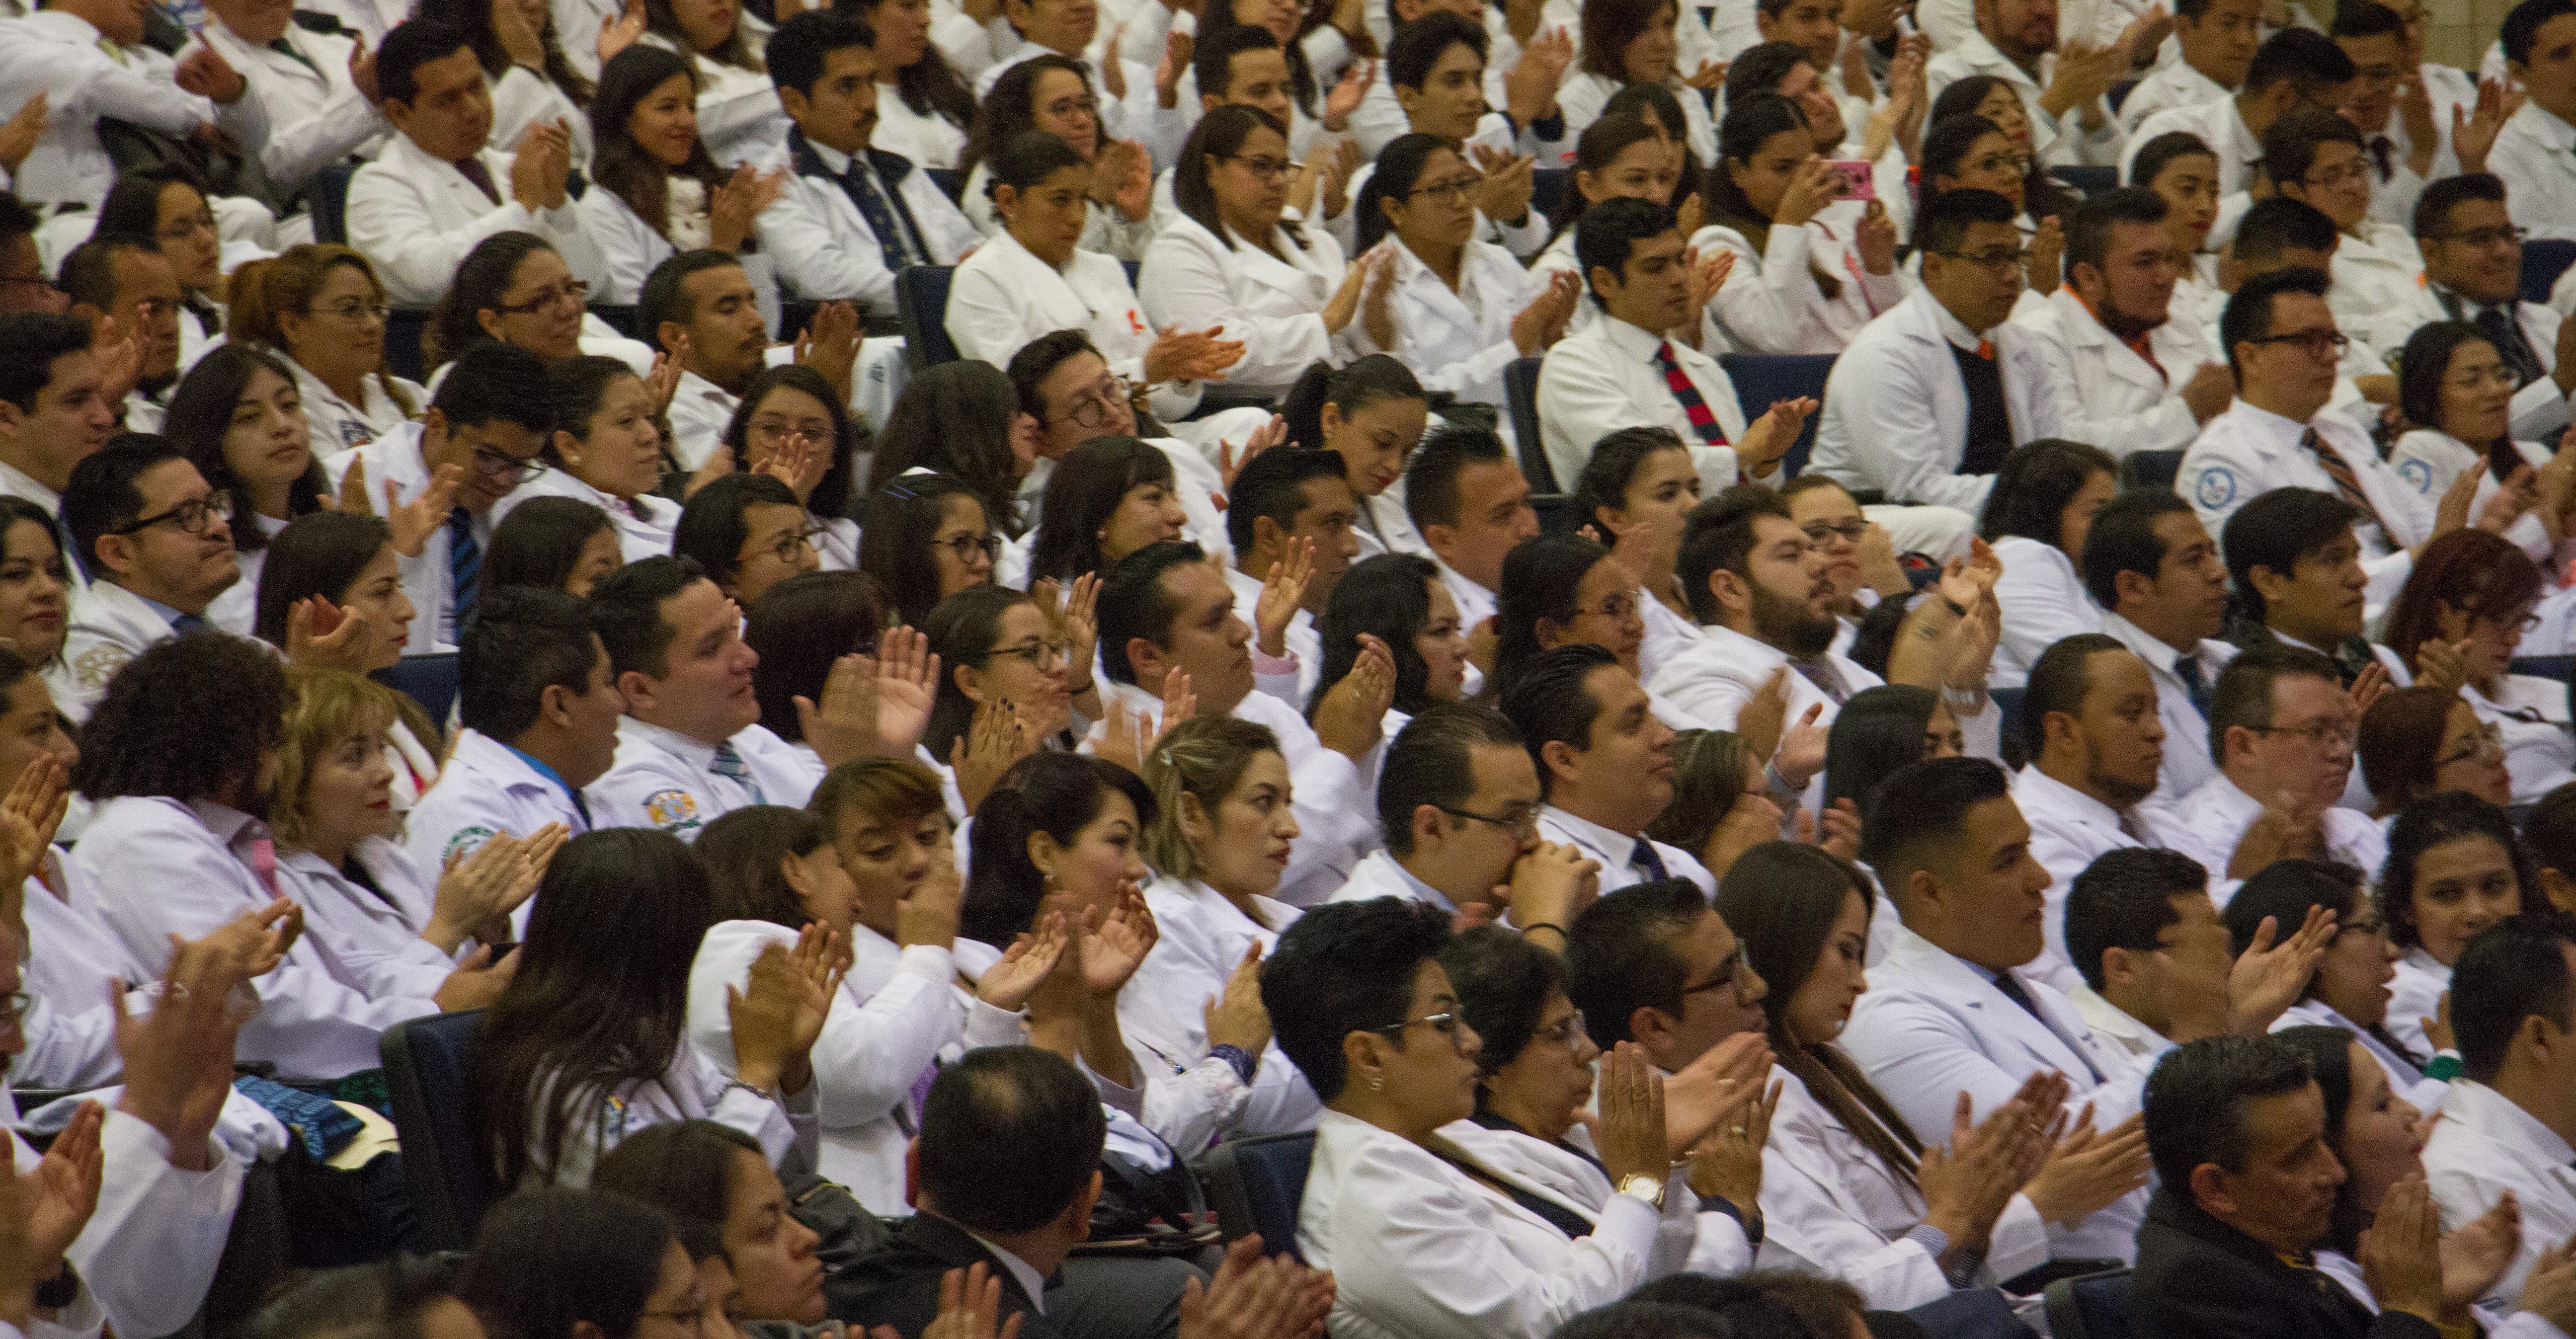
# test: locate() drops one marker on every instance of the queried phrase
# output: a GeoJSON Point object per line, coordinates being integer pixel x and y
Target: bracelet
{"type": "Point", "coordinates": [1526, 930]}
{"type": "Point", "coordinates": [762, 1093]}
{"type": "Point", "coordinates": [2443, 1067]}
{"type": "Point", "coordinates": [1244, 1061]}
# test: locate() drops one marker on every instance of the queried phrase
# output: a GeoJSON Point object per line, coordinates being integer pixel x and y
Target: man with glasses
{"type": "Point", "coordinates": [480, 440]}
{"type": "Point", "coordinates": [2473, 272]}
{"type": "Point", "coordinates": [306, 81]}
{"type": "Point", "coordinates": [2294, 67]}
{"type": "Point", "coordinates": [2402, 156]}
{"type": "Point", "coordinates": [1653, 965]}
{"type": "Point", "coordinates": [2281, 728]}
{"type": "Point", "coordinates": [1067, 384]}
{"type": "Point", "coordinates": [1931, 396]}
{"type": "Point", "coordinates": [1292, 511]}
{"type": "Point", "coordinates": [2316, 157]}
{"type": "Point", "coordinates": [1604, 764]}
{"type": "Point", "coordinates": [1457, 805]}
{"type": "Point", "coordinates": [159, 548]}
{"type": "Point", "coordinates": [2535, 153]}
{"type": "Point", "coordinates": [127, 277]}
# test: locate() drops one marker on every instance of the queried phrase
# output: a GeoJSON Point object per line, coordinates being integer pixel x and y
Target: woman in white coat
{"type": "Point", "coordinates": [2046, 495]}
{"type": "Point", "coordinates": [737, 107]}
{"type": "Point", "coordinates": [532, 80]}
{"type": "Point", "coordinates": [1052, 94]}
{"type": "Point", "coordinates": [606, 451]}
{"type": "Point", "coordinates": [1454, 309]}
{"type": "Point", "coordinates": [2454, 868]}
{"type": "Point", "coordinates": [1848, 1189]}
{"type": "Point", "coordinates": [1633, 42]}
{"type": "Point", "coordinates": [1230, 261]}
{"type": "Point", "coordinates": [2472, 595]}
{"type": "Point", "coordinates": [1426, 1239]}
{"type": "Point", "coordinates": [2457, 390]}
{"type": "Point", "coordinates": [923, 107]}
{"type": "Point", "coordinates": [339, 574]}
{"type": "Point", "coordinates": [791, 426]}
{"type": "Point", "coordinates": [2350, 988]}
{"type": "Point", "coordinates": [775, 870]}
{"type": "Point", "coordinates": [238, 418]}
{"type": "Point", "coordinates": [1036, 278]}
{"type": "Point", "coordinates": [655, 189]}
{"type": "Point", "coordinates": [1799, 284]}
{"type": "Point", "coordinates": [322, 309]}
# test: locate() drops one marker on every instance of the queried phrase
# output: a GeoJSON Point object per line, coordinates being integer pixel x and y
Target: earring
{"type": "Point", "coordinates": [1377, 1083]}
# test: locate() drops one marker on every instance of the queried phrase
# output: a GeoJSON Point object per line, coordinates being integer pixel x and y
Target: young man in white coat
{"type": "Point", "coordinates": [2217, 40]}
{"type": "Point", "coordinates": [2507, 1125]}
{"type": "Point", "coordinates": [1764, 602]}
{"type": "Point", "coordinates": [539, 710]}
{"type": "Point", "coordinates": [2089, 724]}
{"type": "Point", "coordinates": [1951, 1009]}
{"type": "Point", "coordinates": [159, 549]}
{"type": "Point", "coordinates": [2281, 728]}
{"type": "Point", "coordinates": [2316, 157]}
{"type": "Point", "coordinates": [1470, 504]}
{"type": "Point", "coordinates": [1949, 348]}
{"type": "Point", "coordinates": [306, 80]}
{"type": "Point", "coordinates": [1287, 509]}
{"type": "Point", "coordinates": [2300, 581]}
{"type": "Point", "coordinates": [2062, 90]}
{"type": "Point", "coordinates": [2132, 378]}
{"type": "Point", "coordinates": [438, 187]}
{"type": "Point", "coordinates": [2294, 67]}
{"type": "Point", "coordinates": [1605, 764]}
{"type": "Point", "coordinates": [2535, 153]}
{"type": "Point", "coordinates": [2473, 272]}
{"type": "Point", "coordinates": [704, 297]}
{"type": "Point", "coordinates": [54, 412]}
{"type": "Point", "coordinates": [2157, 576]}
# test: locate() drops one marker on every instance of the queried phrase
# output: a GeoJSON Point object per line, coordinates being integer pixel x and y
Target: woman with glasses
{"type": "Point", "coordinates": [2454, 868]}
{"type": "Point", "coordinates": [923, 104]}
{"type": "Point", "coordinates": [348, 564]}
{"type": "Point", "coordinates": [1559, 590]}
{"type": "Point", "coordinates": [1399, 599]}
{"type": "Point", "coordinates": [2421, 741]}
{"type": "Point", "coordinates": [1076, 392]}
{"type": "Point", "coordinates": [1623, 156]}
{"type": "Point", "coordinates": [2045, 497]}
{"type": "Point", "coordinates": [322, 309]}
{"type": "Point", "coordinates": [2350, 988]}
{"type": "Point", "coordinates": [1000, 648]}
{"type": "Point", "coordinates": [1454, 308]}
{"type": "Point", "coordinates": [655, 190]}
{"type": "Point", "coordinates": [1233, 262]}
{"type": "Point", "coordinates": [1828, 279]}
{"type": "Point", "coordinates": [2457, 393]}
{"type": "Point", "coordinates": [927, 537]}
{"type": "Point", "coordinates": [1052, 94]}
{"type": "Point", "coordinates": [1108, 498]}
{"type": "Point", "coordinates": [789, 414]}
{"type": "Point", "coordinates": [963, 420]}
{"type": "Point", "coordinates": [238, 418]}
{"type": "Point", "coordinates": [607, 451]}
{"type": "Point", "coordinates": [801, 629]}
{"type": "Point", "coordinates": [1860, 556]}
{"type": "Point", "coordinates": [557, 543]}
{"type": "Point", "coordinates": [515, 288]}
{"type": "Point", "coordinates": [2471, 597]}
{"type": "Point", "coordinates": [1424, 1237]}
{"type": "Point", "coordinates": [1996, 100]}
{"type": "Point", "coordinates": [163, 204]}
{"type": "Point", "coordinates": [1371, 412]}
{"type": "Point", "coordinates": [749, 532]}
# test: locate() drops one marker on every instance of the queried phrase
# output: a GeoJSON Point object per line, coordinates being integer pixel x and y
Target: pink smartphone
{"type": "Point", "coordinates": [1858, 179]}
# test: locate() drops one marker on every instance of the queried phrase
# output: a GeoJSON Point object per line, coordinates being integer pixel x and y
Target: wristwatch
{"type": "Point", "coordinates": [1644, 1187]}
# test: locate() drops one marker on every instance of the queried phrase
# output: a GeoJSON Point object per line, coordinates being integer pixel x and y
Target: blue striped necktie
{"type": "Point", "coordinates": [464, 564]}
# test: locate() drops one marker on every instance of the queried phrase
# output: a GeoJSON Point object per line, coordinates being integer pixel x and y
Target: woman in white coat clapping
{"type": "Point", "coordinates": [1232, 260]}
{"type": "Point", "coordinates": [1848, 1190]}
{"type": "Point", "coordinates": [655, 191]}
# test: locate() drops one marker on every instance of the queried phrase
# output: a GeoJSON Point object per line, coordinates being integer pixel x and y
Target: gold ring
{"type": "Point", "coordinates": [1739, 1129]}
{"type": "Point", "coordinates": [1726, 1083]}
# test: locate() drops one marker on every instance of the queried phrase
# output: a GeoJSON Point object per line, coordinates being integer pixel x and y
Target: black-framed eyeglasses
{"type": "Point", "coordinates": [1451, 192]}
{"type": "Point", "coordinates": [575, 291]}
{"type": "Point", "coordinates": [965, 547]}
{"type": "Point", "coordinates": [1996, 261]}
{"type": "Point", "coordinates": [1562, 1032]}
{"type": "Point", "coordinates": [2317, 343]}
{"type": "Point", "coordinates": [192, 516]}
{"type": "Point", "coordinates": [795, 544]}
{"type": "Point", "coordinates": [2488, 743]}
{"type": "Point", "coordinates": [505, 467]}
{"type": "Point", "coordinates": [2320, 733]}
{"type": "Point", "coordinates": [1446, 1023]}
{"type": "Point", "coordinates": [1265, 167]}
{"type": "Point", "coordinates": [1852, 530]}
{"type": "Point", "coordinates": [1520, 823]}
{"type": "Point", "coordinates": [1727, 976]}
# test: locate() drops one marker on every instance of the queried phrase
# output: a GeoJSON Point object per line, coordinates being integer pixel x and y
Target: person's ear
{"type": "Point", "coordinates": [2118, 965]}
{"type": "Point", "coordinates": [1268, 536]}
{"type": "Point", "coordinates": [1429, 825]}
{"type": "Point", "coordinates": [554, 705]}
{"type": "Point", "coordinates": [1547, 634]}
{"type": "Point", "coordinates": [2560, 889]}
{"type": "Point", "coordinates": [1362, 1065]}
{"type": "Point", "coordinates": [1077, 1215]}
{"type": "Point", "coordinates": [489, 320]}
{"type": "Point", "coordinates": [1560, 758]}
{"type": "Point", "coordinates": [1150, 662]}
{"type": "Point", "coordinates": [668, 335]}
{"type": "Point", "coordinates": [912, 1173]}
{"type": "Point", "coordinates": [1328, 421]}
{"type": "Point", "coordinates": [1044, 854]}
{"type": "Point", "coordinates": [794, 101]}
{"type": "Point", "coordinates": [638, 689]}
{"type": "Point", "coordinates": [791, 867]}
{"type": "Point", "coordinates": [2131, 585]}
{"type": "Point", "coordinates": [2272, 586]}
{"type": "Point", "coordinates": [1922, 894]}
{"type": "Point", "coordinates": [970, 681]}
{"type": "Point", "coordinates": [2060, 727]}
{"type": "Point", "coordinates": [1006, 200]}
{"type": "Point", "coordinates": [568, 447]}
{"type": "Point", "coordinates": [1441, 539]}
{"type": "Point", "coordinates": [1196, 827]}
{"type": "Point", "coordinates": [2210, 1188]}
{"type": "Point", "coordinates": [1603, 281]}
{"type": "Point", "coordinates": [1652, 1029]}
{"type": "Point", "coordinates": [2236, 743]}
{"type": "Point", "coordinates": [116, 553]}
{"type": "Point", "coordinates": [2089, 280]}
{"type": "Point", "coordinates": [1733, 593]}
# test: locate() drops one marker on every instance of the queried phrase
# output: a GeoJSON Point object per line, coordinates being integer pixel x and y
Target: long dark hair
{"type": "Point", "coordinates": [2036, 483]}
{"type": "Point", "coordinates": [956, 419]}
{"type": "Point", "coordinates": [600, 997]}
{"type": "Point", "coordinates": [318, 553]}
{"type": "Point", "coordinates": [1752, 122]}
{"type": "Point", "coordinates": [831, 496]}
{"type": "Point", "coordinates": [1352, 388]}
{"type": "Point", "coordinates": [1600, 145]}
{"type": "Point", "coordinates": [929, 84]}
{"type": "Point", "coordinates": [1615, 460]}
{"type": "Point", "coordinates": [1387, 597]}
{"type": "Point", "coordinates": [801, 627]}
{"type": "Point", "coordinates": [1782, 899]}
{"type": "Point", "coordinates": [903, 518]}
{"type": "Point", "coordinates": [2041, 196]}
{"type": "Point", "coordinates": [540, 542]}
{"type": "Point", "coordinates": [1086, 488]}
{"type": "Point", "coordinates": [743, 852]}
{"type": "Point", "coordinates": [617, 162]}
{"type": "Point", "coordinates": [1220, 134]}
{"type": "Point", "coordinates": [486, 273]}
{"type": "Point", "coordinates": [1540, 577]}
{"type": "Point", "coordinates": [2420, 370]}
{"type": "Point", "coordinates": [963, 630]}
{"type": "Point", "coordinates": [1608, 27]}
{"type": "Point", "coordinates": [1878, 731]}
{"type": "Point", "coordinates": [473, 22]}
{"type": "Point", "coordinates": [1399, 168]}
{"type": "Point", "coordinates": [201, 416]}
{"type": "Point", "coordinates": [1658, 103]}
{"type": "Point", "coordinates": [1008, 109]}
{"type": "Point", "coordinates": [1055, 793]}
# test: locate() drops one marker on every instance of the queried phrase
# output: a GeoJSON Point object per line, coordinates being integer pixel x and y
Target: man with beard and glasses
{"type": "Point", "coordinates": [2090, 726]}
{"type": "Point", "coordinates": [2131, 379]}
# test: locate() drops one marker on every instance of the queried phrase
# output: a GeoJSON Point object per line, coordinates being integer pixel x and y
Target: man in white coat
{"type": "Point", "coordinates": [2316, 157]}
{"type": "Point", "coordinates": [317, 115]}
{"type": "Point", "coordinates": [2062, 91]}
{"type": "Point", "coordinates": [156, 540]}
{"type": "Point", "coordinates": [54, 412]}
{"type": "Point", "coordinates": [2473, 273]}
{"type": "Point", "coordinates": [1604, 762]}
{"type": "Point", "coordinates": [2281, 728]}
{"type": "Point", "coordinates": [1471, 506]}
{"type": "Point", "coordinates": [1951, 1010]}
{"type": "Point", "coordinates": [1950, 349]}
{"type": "Point", "coordinates": [2216, 40]}
{"type": "Point", "coordinates": [2293, 68]}
{"type": "Point", "coordinates": [2089, 724]}
{"type": "Point", "coordinates": [87, 57]}
{"type": "Point", "coordinates": [437, 189]}
{"type": "Point", "coordinates": [1289, 509]}
{"type": "Point", "coordinates": [2131, 378]}
{"type": "Point", "coordinates": [1438, 81]}
{"type": "Point", "coordinates": [2535, 153]}
{"type": "Point", "coordinates": [2507, 1125]}
{"type": "Point", "coordinates": [2150, 565]}
{"type": "Point", "coordinates": [706, 298]}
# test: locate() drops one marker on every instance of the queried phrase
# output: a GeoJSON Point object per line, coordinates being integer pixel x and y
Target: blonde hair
{"type": "Point", "coordinates": [1203, 757]}
{"type": "Point", "coordinates": [324, 706]}
{"type": "Point", "coordinates": [264, 291]}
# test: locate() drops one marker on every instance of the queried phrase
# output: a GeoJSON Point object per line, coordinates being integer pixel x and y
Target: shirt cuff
{"type": "Point", "coordinates": [1267, 665]}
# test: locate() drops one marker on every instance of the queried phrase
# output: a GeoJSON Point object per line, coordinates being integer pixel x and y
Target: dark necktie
{"type": "Point", "coordinates": [287, 49]}
{"type": "Point", "coordinates": [728, 763]}
{"type": "Point", "coordinates": [2353, 655]}
{"type": "Point", "coordinates": [2013, 990]}
{"type": "Point", "coordinates": [2383, 156]}
{"type": "Point", "coordinates": [1822, 675]}
{"type": "Point", "coordinates": [2346, 483]}
{"type": "Point", "coordinates": [187, 623]}
{"type": "Point", "coordinates": [1703, 420]}
{"type": "Point", "coordinates": [1645, 859]}
{"type": "Point", "coordinates": [2195, 685]}
{"type": "Point", "coordinates": [2505, 334]}
{"type": "Point", "coordinates": [464, 564]}
{"type": "Point", "coordinates": [481, 176]}
{"type": "Point", "coordinates": [902, 249]}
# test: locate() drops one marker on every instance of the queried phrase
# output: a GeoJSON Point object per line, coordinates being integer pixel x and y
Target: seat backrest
{"type": "Point", "coordinates": [2150, 471]}
{"type": "Point", "coordinates": [625, 318]}
{"type": "Point", "coordinates": [1520, 392]}
{"type": "Point", "coordinates": [1256, 1185]}
{"type": "Point", "coordinates": [404, 329]}
{"type": "Point", "coordinates": [430, 680]}
{"type": "Point", "coordinates": [2089, 1306]}
{"type": "Point", "coordinates": [921, 303]}
{"type": "Point", "coordinates": [2087, 179]}
{"type": "Point", "coordinates": [2543, 260]}
{"type": "Point", "coordinates": [1548, 186]}
{"type": "Point", "coordinates": [327, 194]}
{"type": "Point", "coordinates": [428, 1078]}
{"type": "Point", "coordinates": [2553, 668]}
{"type": "Point", "coordinates": [1762, 379]}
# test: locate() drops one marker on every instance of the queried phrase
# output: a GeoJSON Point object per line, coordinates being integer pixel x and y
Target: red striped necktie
{"type": "Point", "coordinates": [1702, 419]}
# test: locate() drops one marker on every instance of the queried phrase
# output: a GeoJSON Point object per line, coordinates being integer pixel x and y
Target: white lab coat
{"type": "Point", "coordinates": [1931, 1026]}
{"type": "Point", "coordinates": [1583, 94]}
{"type": "Point", "coordinates": [1381, 875]}
{"type": "Point", "coordinates": [2044, 603]}
{"type": "Point", "coordinates": [428, 581]}
{"type": "Point", "coordinates": [2484, 1145]}
{"type": "Point", "coordinates": [2057, 143]}
{"type": "Point", "coordinates": [147, 1256]}
{"type": "Point", "coordinates": [316, 116]}
{"type": "Point", "coordinates": [67, 962]}
{"type": "Point", "coordinates": [521, 97]}
{"type": "Point", "coordinates": [925, 137]}
{"type": "Point", "coordinates": [2207, 823]}
{"type": "Point", "coordinates": [1605, 379]}
{"type": "Point", "coordinates": [1770, 301]}
{"type": "Point", "coordinates": [1494, 133]}
{"type": "Point", "coordinates": [1273, 304]}
{"type": "Point", "coordinates": [1456, 340]}
{"type": "Point", "coordinates": [2215, 123]}
{"type": "Point", "coordinates": [2539, 409]}
{"type": "Point", "coordinates": [2404, 1079]}
{"type": "Point", "coordinates": [2069, 830]}
{"type": "Point", "coordinates": [2535, 155]}
{"type": "Point", "coordinates": [2531, 712]}
{"type": "Point", "coordinates": [1190, 1098]}
{"type": "Point", "coordinates": [644, 522]}
{"type": "Point", "coordinates": [1139, 116]}
{"type": "Point", "coordinates": [2115, 399]}
{"type": "Point", "coordinates": [415, 218]}
{"type": "Point", "coordinates": [695, 1087]}
{"type": "Point", "coordinates": [1617, 852]}
{"type": "Point", "coordinates": [2378, 276]}
{"type": "Point", "coordinates": [1104, 229]}
{"type": "Point", "coordinates": [1003, 296]}
{"type": "Point", "coordinates": [1874, 432]}
{"type": "Point", "coordinates": [370, 939]}
{"type": "Point", "coordinates": [337, 425]}
{"type": "Point", "coordinates": [700, 412]}
{"type": "Point", "coordinates": [2430, 461]}
{"type": "Point", "coordinates": [577, 25]}
{"type": "Point", "coordinates": [2415, 995]}
{"type": "Point", "coordinates": [1422, 1250]}
{"type": "Point", "coordinates": [664, 779]}
{"type": "Point", "coordinates": [109, 626]}
{"type": "Point", "coordinates": [1714, 677]}
{"type": "Point", "coordinates": [633, 249]}
{"type": "Point", "coordinates": [1706, 1241]}
{"type": "Point", "coordinates": [823, 248]}
{"type": "Point", "coordinates": [2175, 84]}
{"type": "Point", "coordinates": [2187, 761]}
{"type": "Point", "coordinates": [2247, 452]}
{"type": "Point", "coordinates": [486, 788]}
{"type": "Point", "coordinates": [739, 116]}
{"type": "Point", "coordinates": [62, 56]}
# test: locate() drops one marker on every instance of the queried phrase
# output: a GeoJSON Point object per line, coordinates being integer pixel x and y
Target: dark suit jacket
{"type": "Point", "coordinates": [2198, 1276]}
{"type": "Point", "coordinates": [897, 1284]}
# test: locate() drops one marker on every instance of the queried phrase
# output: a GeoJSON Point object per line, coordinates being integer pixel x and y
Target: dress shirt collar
{"type": "Point", "coordinates": [2462, 307]}
{"type": "Point", "coordinates": [2499, 1118]}
{"type": "Point", "coordinates": [693, 386]}
{"type": "Point", "coordinates": [168, 615]}
{"type": "Point", "coordinates": [18, 483]}
{"type": "Point", "coordinates": [1031, 1281]}
{"type": "Point", "coordinates": [230, 826]}
{"type": "Point", "coordinates": [2159, 654]}
{"type": "Point", "coordinates": [1614, 846]}
{"type": "Point", "coordinates": [2559, 136]}
{"type": "Point", "coordinates": [2067, 797]}
{"type": "Point", "coordinates": [1422, 892]}
{"type": "Point", "coordinates": [1952, 328]}
{"type": "Point", "coordinates": [1632, 339]}
{"type": "Point", "coordinates": [2282, 431]}
{"type": "Point", "coordinates": [699, 756]}
{"type": "Point", "coordinates": [2232, 800]}
{"type": "Point", "coordinates": [830, 157]}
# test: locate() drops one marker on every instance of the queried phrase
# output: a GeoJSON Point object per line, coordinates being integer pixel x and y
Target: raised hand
{"type": "Point", "coordinates": [117, 350]}
{"type": "Point", "coordinates": [1346, 94]}
{"type": "Point", "coordinates": [1802, 748]}
{"type": "Point", "coordinates": [1714, 1090]}
{"type": "Point", "coordinates": [252, 944]}
{"type": "Point", "coordinates": [664, 380]}
{"type": "Point", "coordinates": [2401, 1253]}
{"type": "Point", "coordinates": [2474, 131]}
{"type": "Point", "coordinates": [1764, 715]}
{"type": "Point", "coordinates": [1353, 712]}
{"type": "Point", "coordinates": [415, 521]}
{"type": "Point", "coordinates": [1283, 593]}
{"type": "Point", "coordinates": [621, 32]}
{"type": "Point", "coordinates": [2476, 1254]}
{"type": "Point", "coordinates": [1229, 465]}
{"type": "Point", "coordinates": [1024, 966]}
{"type": "Point", "coordinates": [1550, 885]}
{"type": "Point", "coordinates": [831, 345]}
{"type": "Point", "coordinates": [19, 134]}
{"type": "Point", "coordinates": [1503, 190]}
{"type": "Point", "coordinates": [1840, 829]}
{"type": "Point", "coordinates": [2268, 978]}
{"type": "Point", "coordinates": [1770, 436]}
{"type": "Point", "coordinates": [1177, 48]}
{"type": "Point", "coordinates": [1237, 1018]}
{"type": "Point", "coordinates": [1256, 1298]}
{"type": "Point", "coordinates": [66, 1185]}
{"type": "Point", "coordinates": [1115, 941]}
{"type": "Point", "coordinates": [205, 73]}
{"type": "Point", "coordinates": [2088, 1171]}
{"type": "Point", "coordinates": [970, 1307]}
{"type": "Point", "coordinates": [1728, 1162]}
{"type": "Point", "coordinates": [350, 644]}
{"type": "Point", "coordinates": [995, 740]}
{"type": "Point", "coordinates": [179, 1057]}
{"type": "Point", "coordinates": [29, 815]}
{"type": "Point", "coordinates": [1632, 1135]}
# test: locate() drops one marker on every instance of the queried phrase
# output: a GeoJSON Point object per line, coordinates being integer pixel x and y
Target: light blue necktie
{"type": "Point", "coordinates": [729, 764]}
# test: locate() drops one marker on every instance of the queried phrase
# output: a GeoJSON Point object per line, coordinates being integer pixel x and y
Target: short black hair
{"type": "Point", "coordinates": [1550, 700]}
{"type": "Point", "coordinates": [2312, 58]}
{"type": "Point", "coordinates": [2365, 18]}
{"type": "Point", "coordinates": [2433, 208]}
{"type": "Point", "coordinates": [2284, 891]}
{"type": "Point", "coordinates": [2290, 144]}
{"type": "Point", "coordinates": [2196, 1098]}
{"type": "Point", "coordinates": [1755, 1313]}
{"type": "Point", "coordinates": [1431, 478]}
{"type": "Point", "coordinates": [1761, 69]}
{"type": "Point", "coordinates": [36, 341]}
{"type": "Point", "coordinates": [1432, 762]}
{"type": "Point", "coordinates": [2150, 160]}
{"type": "Point", "coordinates": [1346, 967]}
{"type": "Point", "coordinates": [2124, 539]}
{"type": "Point", "coordinates": [2275, 531]}
{"type": "Point", "coordinates": [711, 527]}
{"type": "Point", "coordinates": [1943, 221]}
{"type": "Point", "coordinates": [88, 274]}
{"type": "Point", "coordinates": [1010, 1137]}
{"type": "Point", "coordinates": [2513, 969]}
{"type": "Point", "coordinates": [2124, 899]}
{"type": "Point", "coordinates": [1898, 839]}
{"type": "Point", "coordinates": [412, 44]}
{"type": "Point", "coordinates": [1719, 535]}
{"type": "Point", "coordinates": [1503, 983]}
{"type": "Point", "coordinates": [1213, 61]}
{"type": "Point", "coordinates": [2522, 26]}
{"type": "Point", "coordinates": [626, 612]}
{"type": "Point", "coordinates": [540, 542]}
{"type": "Point", "coordinates": [1611, 230]}
{"type": "Point", "coordinates": [2243, 694]}
{"type": "Point", "coordinates": [522, 641]}
{"type": "Point", "coordinates": [1620, 956]}
{"type": "Point", "coordinates": [2276, 224]}
{"type": "Point", "coordinates": [2248, 318]}
{"type": "Point", "coordinates": [665, 300]}
{"type": "Point", "coordinates": [1272, 485]}
{"type": "Point", "coordinates": [494, 382]}
{"type": "Point", "coordinates": [797, 51]}
{"type": "Point", "coordinates": [104, 493]}
{"type": "Point", "coordinates": [2549, 829]}
{"type": "Point", "coordinates": [231, 692]}
{"type": "Point", "coordinates": [2060, 680]}
{"type": "Point", "coordinates": [2088, 234]}
{"type": "Point", "coordinates": [1133, 602]}
{"type": "Point", "coordinates": [1419, 45]}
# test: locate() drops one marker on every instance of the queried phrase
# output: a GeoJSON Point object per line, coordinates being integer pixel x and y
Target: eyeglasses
{"type": "Point", "coordinates": [1090, 408]}
{"type": "Point", "coordinates": [1562, 1032]}
{"type": "Point", "coordinates": [507, 468]}
{"type": "Point", "coordinates": [2489, 743]}
{"type": "Point", "coordinates": [2338, 176]}
{"type": "Point", "coordinates": [192, 516]}
{"type": "Point", "coordinates": [185, 226]}
{"type": "Point", "coordinates": [352, 310]}
{"type": "Point", "coordinates": [2014, 163]}
{"type": "Point", "coordinates": [1616, 608]}
{"type": "Point", "coordinates": [1518, 822]}
{"type": "Point", "coordinates": [1446, 1024]}
{"type": "Point", "coordinates": [1998, 261]}
{"type": "Point", "coordinates": [1038, 654]}
{"type": "Point", "coordinates": [965, 547]}
{"type": "Point", "coordinates": [1851, 530]}
{"type": "Point", "coordinates": [2321, 733]}
{"type": "Point", "coordinates": [1266, 168]}
{"type": "Point", "coordinates": [2483, 237]}
{"type": "Point", "coordinates": [1734, 970]}
{"type": "Point", "coordinates": [574, 291]}
{"type": "Point", "coordinates": [1451, 192]}
{"type": "Point", "coordinates": [794, 544]}
{"type": "Point", "coordinates": [2366, 924]}
{"type": "Point", "coordinates": [2317, 343]}
{"type": "Point", "coordinates": [2499, 376]}
{"type": "Point", "coordinates": [1064, 107]}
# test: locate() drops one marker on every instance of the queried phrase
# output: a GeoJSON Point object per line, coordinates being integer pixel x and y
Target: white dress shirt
{"type": "Point", "coordinates": [2207, 823]}
{"type": "Point", "coordinates": [1455, 340]}
{"type": "Point", "coordinates": [2069, 830]}
{"type": "Point", "coordinates": [2044, 602]}
{"type": "Point", "coordinates": [68, 960]}
{"type": "Point", "coordinates": [85, 77]}
{"type": "Point", "coordinates": [1272, 303]}
{"type": "Point", "coordinates": [1617, 852]}
{"type": "Point", "coordinates": [822, 246]}
{"type": "Point", "coordinates": [370, 938]}
{"type": "Point", "coordinates": [416, 218]}
{"type": "Point", "coordinates": [2484, 1145]}
{"type": "Point", "coordinates": [2535, 155]}
{"type": "Point", "coordinates": [2175, 84]}
{"type": "Point", "coordinates": [2116, 1031]}
{"type": "Point", "coordinates": [2057, 142]}
{"type": "Point", "coordinates": [664, 779]}
{"type": "Point", "coordinates": [1605, 379]}
{"type": "Point", "coordinates": [1874, 432]}
{"type": "Point", "coordinates": [1382, 875]}
{"type": "Point", "coordinates": [1771, 301]}
{"type": "Point", "coordinates": [316, 115]}
{"type": "Point", "coordinates": [2216, 123]}
{"type": "Point", "coordinates": [2187, 762]}
{"type": "Point", "coordinates": [337, 425]}
{"type": "Point", "coordinates": [2247, 452]}
{"type": "Point", "coordinates": [1715, 676]}
{"type": "Point", "coordinates": [2116, 398]}
{"type": "Point", "coordinates": [428, 579]}
{"type": "Point", "coordinates": [644, 522]}
{"type": "Point", "coordinates": [1003, 296]}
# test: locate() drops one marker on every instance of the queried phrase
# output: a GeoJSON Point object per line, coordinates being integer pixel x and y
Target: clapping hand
{"type": "Point", "coordinates": [1254, 1298]}
{"type": "Point", "coordinates": [2268, 978]}
{"type": "Point", "coordinates": [1283, 593]}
